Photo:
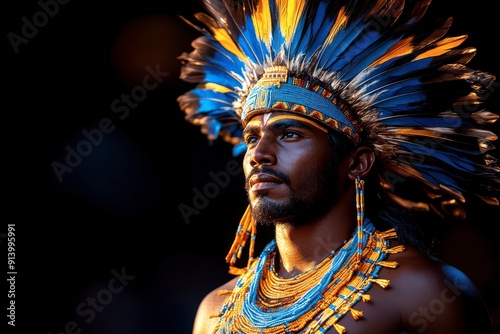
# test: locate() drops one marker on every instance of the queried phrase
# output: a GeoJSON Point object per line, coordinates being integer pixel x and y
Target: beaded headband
{"type": "Point", "coordinates": [275, 90]}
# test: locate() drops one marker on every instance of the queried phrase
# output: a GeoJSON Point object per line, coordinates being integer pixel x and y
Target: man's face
{"type": "Point", "coordinates": [288, 168]}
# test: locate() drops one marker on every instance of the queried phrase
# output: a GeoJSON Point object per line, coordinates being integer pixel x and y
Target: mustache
{"type": "Point", "coordinates": [270, 171]}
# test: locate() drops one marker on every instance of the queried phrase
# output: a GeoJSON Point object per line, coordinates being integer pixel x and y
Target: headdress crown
{"type": "Point", "coordinates": [370, 69]}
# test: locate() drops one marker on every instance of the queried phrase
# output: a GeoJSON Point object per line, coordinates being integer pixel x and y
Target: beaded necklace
{"type": "Point", "coordinates": [311, 302]}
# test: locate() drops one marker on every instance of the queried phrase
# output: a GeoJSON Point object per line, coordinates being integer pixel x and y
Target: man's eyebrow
{"type": "Point", "coordinates": [250, 129]}
{"type": "Point", "coordinates": [278, 123]}
{"type": "Point", "coordinates": [286, 121]}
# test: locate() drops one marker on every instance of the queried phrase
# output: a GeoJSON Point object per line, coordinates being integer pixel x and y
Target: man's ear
{"type": "Point", "coordinates": [363, 159]}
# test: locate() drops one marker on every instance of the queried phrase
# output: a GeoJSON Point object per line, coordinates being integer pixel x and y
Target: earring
{"type": "Point", "coordinates": [360, 212]}
{"type": "Point", "coordinates": [247, 229]}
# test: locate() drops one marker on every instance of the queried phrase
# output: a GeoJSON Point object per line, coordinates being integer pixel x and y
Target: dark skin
{"type": "Point", "coordinates": [424, 295]}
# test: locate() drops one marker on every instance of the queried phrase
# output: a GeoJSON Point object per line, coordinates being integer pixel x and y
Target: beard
{"type": "Point", "coordinates": [315, 192]}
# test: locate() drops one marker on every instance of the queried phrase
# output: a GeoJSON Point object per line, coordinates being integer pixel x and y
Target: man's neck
{"type": "Point", "coordinates": [301, 248]}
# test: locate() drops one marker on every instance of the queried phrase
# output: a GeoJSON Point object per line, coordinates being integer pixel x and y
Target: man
{"type": "Point", "coordinates": [327, 99]}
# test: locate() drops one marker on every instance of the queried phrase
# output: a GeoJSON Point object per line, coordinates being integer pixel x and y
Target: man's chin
{"type": "Point", "coordinates": [268, 212]}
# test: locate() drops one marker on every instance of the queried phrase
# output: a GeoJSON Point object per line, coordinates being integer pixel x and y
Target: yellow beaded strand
{"type": "Point", "coordinates": [275, 293]}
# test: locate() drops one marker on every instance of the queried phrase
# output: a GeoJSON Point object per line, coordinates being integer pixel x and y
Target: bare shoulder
{"type": "Point", "coordinates": [435, 297]}
{"type": "Point", "coordinates": [211, 304]}
{"type": "Point", "coordinates": [424, 296]}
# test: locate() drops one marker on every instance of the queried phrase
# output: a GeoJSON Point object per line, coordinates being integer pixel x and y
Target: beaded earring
{"type": "Point", "coordinates": [360, 209]}
{"type": "Point", "coordinates": [247, 229]}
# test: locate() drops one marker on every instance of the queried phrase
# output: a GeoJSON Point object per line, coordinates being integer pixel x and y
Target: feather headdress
{"type": "Point", "coordinates": [374, 70]}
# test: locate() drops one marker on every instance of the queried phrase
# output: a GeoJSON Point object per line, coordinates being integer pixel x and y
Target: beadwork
{"type": "Point", "coordinates": [263, 302]}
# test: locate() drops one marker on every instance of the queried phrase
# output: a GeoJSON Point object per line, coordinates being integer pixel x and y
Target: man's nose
{"type": "Point", "coordinates": [264, 152]}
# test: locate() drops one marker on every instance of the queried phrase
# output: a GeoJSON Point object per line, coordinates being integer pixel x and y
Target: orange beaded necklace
{"type": "Point", "coordinates": [312, 302]}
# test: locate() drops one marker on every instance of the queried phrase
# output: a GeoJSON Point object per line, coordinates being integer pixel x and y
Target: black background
{"type": "Point", "coordinates": [118, 209]}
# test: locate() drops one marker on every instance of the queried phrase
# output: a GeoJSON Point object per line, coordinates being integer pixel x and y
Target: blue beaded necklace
{"type": "Point", "coordinates": [253, 306]}
{"type": "Point", "coordinates": [265, 319]}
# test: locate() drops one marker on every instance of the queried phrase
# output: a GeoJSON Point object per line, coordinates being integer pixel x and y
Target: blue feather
{"type": "Point", "coordinates": [406, 120]}
{"type": "Point", "coordinates": [373, 49]}
{"type": "Point", "coordinates": [457, 161]}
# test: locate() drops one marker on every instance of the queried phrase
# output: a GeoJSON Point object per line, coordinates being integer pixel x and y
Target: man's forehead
{"type": "Point", "coordinates": [272, 116]}
{"type": "Point", "coordinates": [266, 116]}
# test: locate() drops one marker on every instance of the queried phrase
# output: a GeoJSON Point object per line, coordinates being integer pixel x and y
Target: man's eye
{"type": "Point", "coordinates": [289, 134]}
{"type": "Point", "coordinates": [250, 139]}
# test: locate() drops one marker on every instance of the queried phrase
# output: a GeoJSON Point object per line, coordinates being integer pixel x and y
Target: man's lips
{"type": "Point", "coordinates": [263, 181]}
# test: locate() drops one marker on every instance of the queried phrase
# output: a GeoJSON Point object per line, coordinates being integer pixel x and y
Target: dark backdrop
{"type": "Point", "coordinates": [101, 245]}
